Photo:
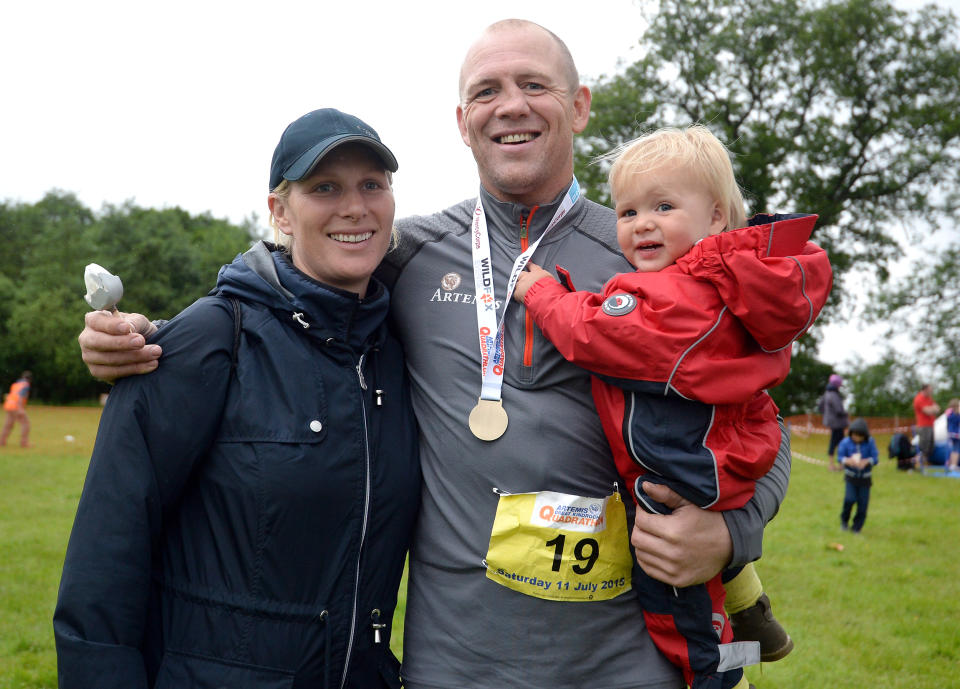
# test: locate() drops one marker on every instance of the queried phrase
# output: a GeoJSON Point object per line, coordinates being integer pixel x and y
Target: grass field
{"type": "Point", "coordinates": [883, 612]}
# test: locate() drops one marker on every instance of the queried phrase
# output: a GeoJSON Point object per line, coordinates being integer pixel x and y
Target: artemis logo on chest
{"type": "Point", "coordinates": [446, 293]}
{"type": "Point", "coordinates": [459, 298]}
{"type": "Point", "coordinates": [619, 304]}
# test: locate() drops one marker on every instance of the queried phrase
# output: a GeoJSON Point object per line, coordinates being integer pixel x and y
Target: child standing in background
{"type": "Point", "coordinates": [682, 351]}
{"type": "Point", "coordinates": [857, 453]}
{"type": "Point", "coordinates": [953, 433]}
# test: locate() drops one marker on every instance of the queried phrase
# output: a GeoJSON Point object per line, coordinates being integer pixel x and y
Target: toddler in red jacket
{"type": "Point", "coordinates": [682, 352]}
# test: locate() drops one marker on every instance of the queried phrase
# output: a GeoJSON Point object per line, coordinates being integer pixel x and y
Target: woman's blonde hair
{"type": "Point", "coordinates": [694, 149]}
{"type": "Point", "coordinates": [285, 241]}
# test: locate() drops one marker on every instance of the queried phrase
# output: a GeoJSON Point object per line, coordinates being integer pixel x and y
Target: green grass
{"type": "Point", "coordinates": [39, 490]}
{"type": "Point", "coordinates": [881, 613]}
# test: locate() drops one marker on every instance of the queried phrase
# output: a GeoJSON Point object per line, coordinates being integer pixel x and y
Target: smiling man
{"type": "Point", "coordinates": [479, 611]}
{"type": "Point", "coordinates": [508, 431]}
{"type": "Point", "coordinates": [520, 104]}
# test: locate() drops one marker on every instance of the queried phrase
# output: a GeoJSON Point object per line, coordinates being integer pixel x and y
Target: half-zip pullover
{"type": "Point", "coordinates": [528, 320]}
{"type": "Point", "coordinates": [461, 628]}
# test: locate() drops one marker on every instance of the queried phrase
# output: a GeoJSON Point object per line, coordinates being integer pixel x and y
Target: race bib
{"type": "Point", "coordinates": [560, 547]}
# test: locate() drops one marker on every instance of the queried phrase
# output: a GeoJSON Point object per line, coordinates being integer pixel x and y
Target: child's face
{"type": "Point", "coordinates": [662, 214]}
{"type": "Point", "coordinates": [857, 438]}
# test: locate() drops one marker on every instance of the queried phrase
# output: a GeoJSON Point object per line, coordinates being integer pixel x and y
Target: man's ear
{"type": "Point", "coordinates": [581, 108]}
{"type": "Point", "coordinates": [462, 125]}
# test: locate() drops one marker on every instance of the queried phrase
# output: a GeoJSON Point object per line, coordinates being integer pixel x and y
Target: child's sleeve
{"type": "Point", "coordinates": [771, 278]}
{"type": "Point", "coordinates": [637, 328]}
{"type": "Point", "coordinates": [843, 450]}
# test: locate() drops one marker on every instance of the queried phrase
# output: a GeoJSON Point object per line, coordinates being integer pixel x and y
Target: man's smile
{"type": "Point", "coordinates": [516, 138]}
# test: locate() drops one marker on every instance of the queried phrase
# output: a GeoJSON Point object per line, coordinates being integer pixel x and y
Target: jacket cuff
{"type": "Point", "coordinates": [547, 285]}
{"type": "Point", "coordinates": [82, 664]}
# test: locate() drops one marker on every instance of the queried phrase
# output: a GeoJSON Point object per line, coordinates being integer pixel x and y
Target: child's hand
{"type": "Point", "coordinates": [525, 280]}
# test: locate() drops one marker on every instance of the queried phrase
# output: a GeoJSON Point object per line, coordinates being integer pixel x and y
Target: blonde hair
{"type": "Point", "coordinates": [694, 149]}
{"type": "Point", "coordinates": [285, 241]}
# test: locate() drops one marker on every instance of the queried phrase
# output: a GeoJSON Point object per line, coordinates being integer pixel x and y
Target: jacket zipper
{"type": "Point", "coordinates": [527, 318]}
{"type": "Point", "coordinates": [366, 516]}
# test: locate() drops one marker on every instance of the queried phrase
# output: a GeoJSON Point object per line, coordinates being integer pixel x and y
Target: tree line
{"type": "Point", "coordinates": [169, 257]}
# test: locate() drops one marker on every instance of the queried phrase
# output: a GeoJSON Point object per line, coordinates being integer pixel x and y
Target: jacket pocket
{"type": "Point", "coordinates": [266, 403]}
{"type": "Point", "coordinates": [181, 670]}
{"type": "Point", "coordinates": [374, 667]}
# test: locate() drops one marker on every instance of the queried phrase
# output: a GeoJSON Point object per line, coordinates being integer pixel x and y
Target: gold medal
{"type": "Point", "coordinates": [488, 420]}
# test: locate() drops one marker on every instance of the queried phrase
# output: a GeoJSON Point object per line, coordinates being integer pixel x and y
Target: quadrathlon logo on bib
{"type": "Point", "coordinates": [568, 512]}
{"type": "Point", "coordinates": [558, 546]}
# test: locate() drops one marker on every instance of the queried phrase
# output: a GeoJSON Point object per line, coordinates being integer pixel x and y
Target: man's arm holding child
{"type": "Point", "coordinates": [691, 545]}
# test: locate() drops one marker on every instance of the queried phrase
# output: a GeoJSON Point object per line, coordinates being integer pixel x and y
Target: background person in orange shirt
{"type": "Point", "coordinates": [15, 404]}
{"type": "Point", "coordinates": [926, 410]}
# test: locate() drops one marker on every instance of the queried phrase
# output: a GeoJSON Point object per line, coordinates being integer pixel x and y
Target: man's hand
{"type": "Point", "coordinates": [113, 345]}
{"type": "Point", "coordinates": [687, 547]}
{"type": "Point", "coordinates": [526, 278]}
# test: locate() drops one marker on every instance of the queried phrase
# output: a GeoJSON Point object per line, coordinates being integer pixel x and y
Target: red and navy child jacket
{"type": "Point", "coordinates": [682, 357]}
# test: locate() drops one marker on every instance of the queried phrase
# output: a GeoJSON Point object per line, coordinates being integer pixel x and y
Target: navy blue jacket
{"type": "Point", "coordinates": [867, 450]}
{"type": "Point", "coordinates": [247, 527]}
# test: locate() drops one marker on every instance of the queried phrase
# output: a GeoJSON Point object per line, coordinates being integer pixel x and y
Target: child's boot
{"type": "Point", "coordinates": [757, 623]}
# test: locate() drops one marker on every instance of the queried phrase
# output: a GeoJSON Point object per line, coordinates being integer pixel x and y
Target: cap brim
{"type": "Point", "coordinates": [303, 165]}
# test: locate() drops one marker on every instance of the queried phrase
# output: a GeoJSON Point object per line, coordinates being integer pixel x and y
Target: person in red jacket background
{"type": "Point", "coordinates": [15, 404]}
{"type": "Point", "coordinates": [682, 352]}
{"type": "Point", "coordinates": [925, 409]}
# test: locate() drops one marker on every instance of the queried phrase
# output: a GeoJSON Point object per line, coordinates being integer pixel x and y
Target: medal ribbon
{"type": "Point", "coordinates": [489, 329]}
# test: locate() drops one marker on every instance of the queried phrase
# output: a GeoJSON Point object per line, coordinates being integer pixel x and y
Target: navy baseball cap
{"type": "Point", "coordinates": [306, 140]}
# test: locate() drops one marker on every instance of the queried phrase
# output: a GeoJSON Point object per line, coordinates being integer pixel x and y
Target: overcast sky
{"type": "Point", "coordinates": [180, 103]}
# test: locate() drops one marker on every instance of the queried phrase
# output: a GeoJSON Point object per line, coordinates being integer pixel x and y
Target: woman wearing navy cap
{"type": "Point", "coordinates": [248, 507]}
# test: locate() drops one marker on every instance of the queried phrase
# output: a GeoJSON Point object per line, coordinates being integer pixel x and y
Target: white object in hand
{"type": "Point", "coordinates": [103, 288]}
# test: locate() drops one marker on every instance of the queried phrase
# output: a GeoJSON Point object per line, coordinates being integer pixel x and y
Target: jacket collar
{"type": "Point", "coordinates": [265, 275]}
{"type": "Point", "coordinates": [504, 218]}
